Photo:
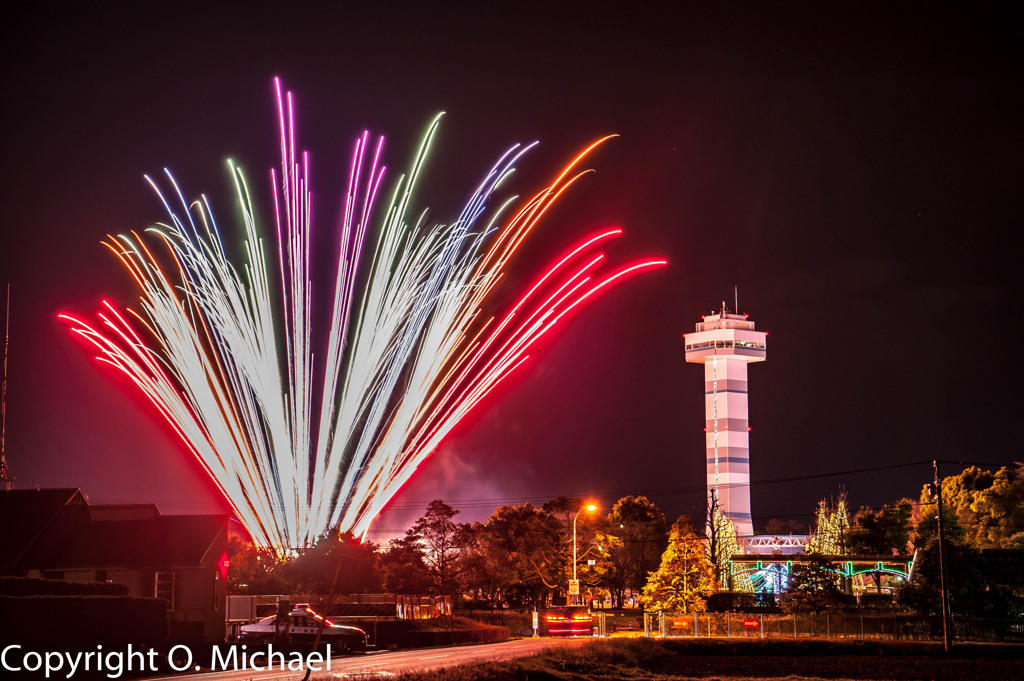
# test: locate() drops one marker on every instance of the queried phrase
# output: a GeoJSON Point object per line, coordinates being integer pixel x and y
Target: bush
{"type": "Point", "coordinates": [514, 621]}
{"type": "Point", "coordinates": [877, 601]}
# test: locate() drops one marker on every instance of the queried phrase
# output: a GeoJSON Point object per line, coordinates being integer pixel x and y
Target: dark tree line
{"type": "Point", "coordinates": [520, 556]}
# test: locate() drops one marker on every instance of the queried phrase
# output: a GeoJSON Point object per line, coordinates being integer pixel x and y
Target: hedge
{"type": "Point", "coordinates": [32, 586]}
{"type": "Point", "coordinates": [82, 622]}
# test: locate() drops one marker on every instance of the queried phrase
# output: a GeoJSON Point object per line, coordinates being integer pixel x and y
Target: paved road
{"type": "Point", "coordinates": [387, 663]}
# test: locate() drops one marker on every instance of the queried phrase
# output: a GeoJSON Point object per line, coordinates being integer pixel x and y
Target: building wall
{"type": "Point", "coordinates": [198, 594]}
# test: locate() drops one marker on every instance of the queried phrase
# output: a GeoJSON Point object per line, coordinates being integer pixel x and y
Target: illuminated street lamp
{"type": "Point", "coordinates": [568, 595]}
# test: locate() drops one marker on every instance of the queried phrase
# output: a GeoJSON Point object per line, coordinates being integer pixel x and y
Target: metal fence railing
{"type": "Point", "coordinates": [894, 627]}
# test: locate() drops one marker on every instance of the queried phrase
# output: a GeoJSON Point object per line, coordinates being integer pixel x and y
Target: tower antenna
{"type": "Point", "coordinates": [5, 473]}
{"type": "Point", "coordinates": [736, 299]}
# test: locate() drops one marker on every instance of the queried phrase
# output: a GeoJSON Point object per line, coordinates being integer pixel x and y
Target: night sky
{"type": "Point", "coordinates": [856, 173]}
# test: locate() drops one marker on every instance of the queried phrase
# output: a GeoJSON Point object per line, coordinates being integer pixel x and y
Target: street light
{"type": "Point", "coordinates": [589, 507]}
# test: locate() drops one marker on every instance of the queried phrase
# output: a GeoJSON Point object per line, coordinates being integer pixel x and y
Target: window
{"type": "Point", "coordinates": [164, 588]}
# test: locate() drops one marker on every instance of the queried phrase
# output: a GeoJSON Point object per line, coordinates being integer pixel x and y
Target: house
{"type": "Point", "coordinates": [32, 518]}
{"type": "Point", "coordinates": [57, 534]}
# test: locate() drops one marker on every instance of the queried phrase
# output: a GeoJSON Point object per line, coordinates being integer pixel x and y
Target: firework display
{"type": "Point", "coordinates": [304, 431]}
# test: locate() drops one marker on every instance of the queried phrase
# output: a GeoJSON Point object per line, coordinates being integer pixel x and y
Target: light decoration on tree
{"type": "Point", "coordinates": [831, 529]}
{"type": "Point", "coordinates": [686, 576]}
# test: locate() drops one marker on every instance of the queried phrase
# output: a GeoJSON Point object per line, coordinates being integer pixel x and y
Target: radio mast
{"type": "Point", "coordinates": [5, 473]}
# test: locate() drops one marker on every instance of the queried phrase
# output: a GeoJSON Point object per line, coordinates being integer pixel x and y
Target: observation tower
{"type": "Point", "coordinates": [725, 343]}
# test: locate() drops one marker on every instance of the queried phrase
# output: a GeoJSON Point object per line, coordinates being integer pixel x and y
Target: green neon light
{"type": "Point", "coordinates": [885, 570]}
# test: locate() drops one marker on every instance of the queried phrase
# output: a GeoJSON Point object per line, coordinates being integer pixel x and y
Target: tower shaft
{"type": "Point", "coordinates": [725, 343]}
{"type": "Point", "coordinates": [728, 439]}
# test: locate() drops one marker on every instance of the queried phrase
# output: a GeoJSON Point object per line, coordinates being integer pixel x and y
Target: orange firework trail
{"type": "Point", "coordinates": [229, 364]}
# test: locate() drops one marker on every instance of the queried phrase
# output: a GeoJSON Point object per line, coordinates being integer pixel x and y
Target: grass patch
{"type": "Point", "coordinates": [639, 659]}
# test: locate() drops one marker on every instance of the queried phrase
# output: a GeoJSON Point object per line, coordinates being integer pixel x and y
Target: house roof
{"type": "Point", "coordinates": [57, 529]}
{"type": "Point", "coordinates": [163, 542]}
{"type": "Point", "coordinates": [123, 511]}
{"type": "Point", "coordinates": [25, 514]}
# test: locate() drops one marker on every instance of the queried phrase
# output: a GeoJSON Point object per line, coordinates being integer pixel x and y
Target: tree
{"type": "Point", "coordinates": [640, 528]}
{"type": "Point", "coordinates": [442, 542]}
{"type": "Point", "coordinates": [925, 516]}
{"type": "Point", "coordinates": [964, 571]}
{"type": "Point", "coordinates": [723, 543]}
{"type": "Point", "coordinates": [831, 529]}
{"type": "Point", "coordinates": [965, 580]}
{"type": "Point", "coordinates": [882, 532]}
{"type": "Point", "coordinates": [489, 571]}
{"type": "Point", "coordinates": [337, 563]}
{"type": "Point", "coordinates": [525, 552]}
{"type": "Point", "coordinates": [885, 531]}
{"type": "Point", "coordinates": [402, 568]}
{"type": "Point", "coordinates": [1015, 541]}
{"type": "Point", "coordinates": [257, 571]}
{"type": "Point", "coordinates": [989, 505]}
{"type": "Point", "coordinates": [685, 578]}
{"type": "Point", "coordinates": [592, 541]}
{"type": "Point", "coordinates": [813, 585]}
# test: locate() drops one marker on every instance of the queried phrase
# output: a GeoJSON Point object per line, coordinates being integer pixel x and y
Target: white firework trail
{"type": "Point", "coordinates": [229, 362]}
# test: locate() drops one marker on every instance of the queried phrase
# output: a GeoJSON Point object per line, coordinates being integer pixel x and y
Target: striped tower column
{"type": "Point", "coordinates": [725, 343]}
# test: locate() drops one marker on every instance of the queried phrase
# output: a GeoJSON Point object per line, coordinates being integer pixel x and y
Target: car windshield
{"type": "Point", "coordinates": [314, 619]}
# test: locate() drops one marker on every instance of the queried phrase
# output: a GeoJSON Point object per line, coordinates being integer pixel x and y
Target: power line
{"type": "Point", "coordinates": [486, 502]}
{"type": "Point", "coordinates": [657, 491]}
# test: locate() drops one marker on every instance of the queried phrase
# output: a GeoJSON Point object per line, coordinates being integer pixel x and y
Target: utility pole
{"type": "Point", "coordinates": [5, 474]}
{"type": "Point", "coordinates": [947, 625]}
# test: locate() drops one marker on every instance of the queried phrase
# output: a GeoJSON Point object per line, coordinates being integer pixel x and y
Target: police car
{"type": "Point", "coordinates": [302, 626]}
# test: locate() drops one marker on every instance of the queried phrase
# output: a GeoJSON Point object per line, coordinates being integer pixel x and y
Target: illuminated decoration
{"type": "Point", "coordinates": [766, 575]}
{"type": "Point", "coordinates": [829, 542]}
{"type": "Point", "coordinates": [727, 546]}
{"type": "Point", "coordinates": [831, 529]}
{"type": "Point", "coordinates": [879, 575]}
{"type": "Point", "coordinates": [725, 343]}
{"type": "Point", "coordinates": [761, 576]}
{"type": "Point", "coordinates": [226, 353]}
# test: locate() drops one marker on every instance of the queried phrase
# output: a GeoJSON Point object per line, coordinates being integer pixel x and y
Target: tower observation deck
{"type": "Point", "coordinates": [725, 343]}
